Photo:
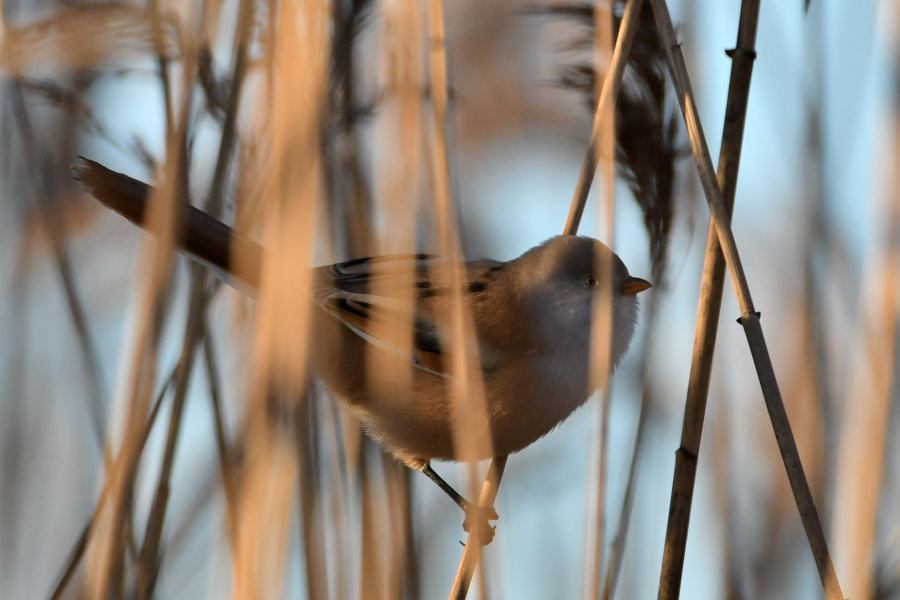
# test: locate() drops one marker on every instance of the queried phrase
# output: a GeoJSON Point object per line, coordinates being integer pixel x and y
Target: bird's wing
{"type": "Point", "coordinates": [345, 291]}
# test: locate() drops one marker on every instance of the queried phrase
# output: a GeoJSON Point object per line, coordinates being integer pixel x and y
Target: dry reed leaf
{"type": "Point", "coordinates": [81, 37]}
{"type": "Point", "coordinates": [646, 123]}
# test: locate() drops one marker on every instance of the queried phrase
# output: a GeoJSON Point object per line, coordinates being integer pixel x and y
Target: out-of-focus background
{"type": "Point", "coordinates": [85, 343]}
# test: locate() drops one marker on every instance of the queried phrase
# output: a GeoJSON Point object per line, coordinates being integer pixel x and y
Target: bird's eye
{"type": "Point", "coordinates": [589, 281]}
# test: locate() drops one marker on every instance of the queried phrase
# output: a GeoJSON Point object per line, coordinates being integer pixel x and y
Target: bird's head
{"type": "Point", "coordinates": [561, 280]}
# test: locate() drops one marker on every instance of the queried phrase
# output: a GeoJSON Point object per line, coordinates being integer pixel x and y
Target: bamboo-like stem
{"type": "Point", "coordinates": [472, 551]}
{"type": "Point", "coordinates": [709, 307]}
{"type": "Point", "coordinates": [612, 83]}
{"type": "Point", "coordinates": [749, 320]}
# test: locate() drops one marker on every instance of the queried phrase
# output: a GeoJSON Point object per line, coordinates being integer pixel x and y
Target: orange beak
{"type": "Point", "coordinates": [634, 285]}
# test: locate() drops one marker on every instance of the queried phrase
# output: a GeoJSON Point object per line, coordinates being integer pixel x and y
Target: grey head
{"type": "Point", "coordinates": [558, 282]}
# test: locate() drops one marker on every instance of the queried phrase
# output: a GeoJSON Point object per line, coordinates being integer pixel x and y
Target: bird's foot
{"type": "Point", "coordinates": [481, 516]}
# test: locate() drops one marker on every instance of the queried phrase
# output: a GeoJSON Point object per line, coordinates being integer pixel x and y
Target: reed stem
{"type": "Point", "coordinates": [749, 320]}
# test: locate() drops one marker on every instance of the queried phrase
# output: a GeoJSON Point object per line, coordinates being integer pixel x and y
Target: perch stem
{"type": "Point", "coordinates": [472, 551]}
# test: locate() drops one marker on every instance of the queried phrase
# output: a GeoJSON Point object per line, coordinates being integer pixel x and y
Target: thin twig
{"type": "Point", "coordinates": [604, 136]}
{"type": "Point", "coordinates": [611, 85]}
{"type": "Point", "coordinates": [39, 166]}
{"type": "Point", "coordinates": [226, 461]}
{"type": "Point", "coordinates": [147, 574]}
{"type": "Point", "coordinates": [749, 320]}
{"type": "Point", "coordinates": [617, 550]}
{"type": "Point", "coordinates": [77, 552]}
{"type": "Point", "coordinates": [149, 556]}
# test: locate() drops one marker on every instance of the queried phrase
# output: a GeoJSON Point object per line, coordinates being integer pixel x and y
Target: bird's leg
{"type": "Point", "coordinates": [482, 515]}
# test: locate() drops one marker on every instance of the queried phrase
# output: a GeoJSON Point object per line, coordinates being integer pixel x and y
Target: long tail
{"type": "Point", "coordinates": [203, 238]}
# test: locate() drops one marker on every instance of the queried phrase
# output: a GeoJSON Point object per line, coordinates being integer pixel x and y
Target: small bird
{"type": "Point", "coordinates": [532, 319]}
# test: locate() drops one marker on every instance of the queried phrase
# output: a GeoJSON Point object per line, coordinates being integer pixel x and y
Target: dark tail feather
{"type": "Point", "coordinates": [206, 240]}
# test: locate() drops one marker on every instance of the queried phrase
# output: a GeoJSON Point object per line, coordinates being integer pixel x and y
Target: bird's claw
{"type": "Point", "coordinates": [482, 516]}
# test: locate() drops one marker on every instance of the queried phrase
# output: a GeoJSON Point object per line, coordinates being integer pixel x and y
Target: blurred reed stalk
{"type": "Point", "coordinates": [468, 408]}
{"type": "Point", "coordinates": [194, 326]}
{"type": "Point", "coordinates": [107, 569]}
{"type": "Point", "coordinates": [78, 549]}
{"type": "Point", "coordinates": [863, 441]}
{"type": "Point", "coordinates": [600, 351]}
{"type": "Point", "coordinates": [749, 317]}
{"type": "Point", "coordinates": [41, 173]}
{"type": "Point", "coordinates": [388, 555]}
{"type": "Point", "coordinates": [292, 197]}
{"type": "Point", "coordinates": [617, 547]}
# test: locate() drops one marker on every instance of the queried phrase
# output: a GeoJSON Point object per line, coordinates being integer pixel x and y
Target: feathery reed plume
{"type": "Point", "coordinates": [646, 126]}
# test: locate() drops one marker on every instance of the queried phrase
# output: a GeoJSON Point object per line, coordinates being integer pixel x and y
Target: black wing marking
{"type": "Point", "coordinates": [343, 292]}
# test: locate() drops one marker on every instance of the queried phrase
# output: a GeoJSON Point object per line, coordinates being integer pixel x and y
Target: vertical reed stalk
{"type": "Point", "coordinates": [749, 317]}
{"type": "Point", "coordinates": [149, 560]}
{"type": "Point", "coordinates": [617, 550]}
{"type": "Point", "coordinates": [106, 575]}
{"type": "Point", "coordinates": [603, 133]}
{"type": "Point", "coordinates": [403, 71]}
{"type": "Point", "coordinates": [291, 199]}
{"type": "Point", "coordinates": [469, 419]}
{"type": "Point", "coordinates": [864, 437]}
